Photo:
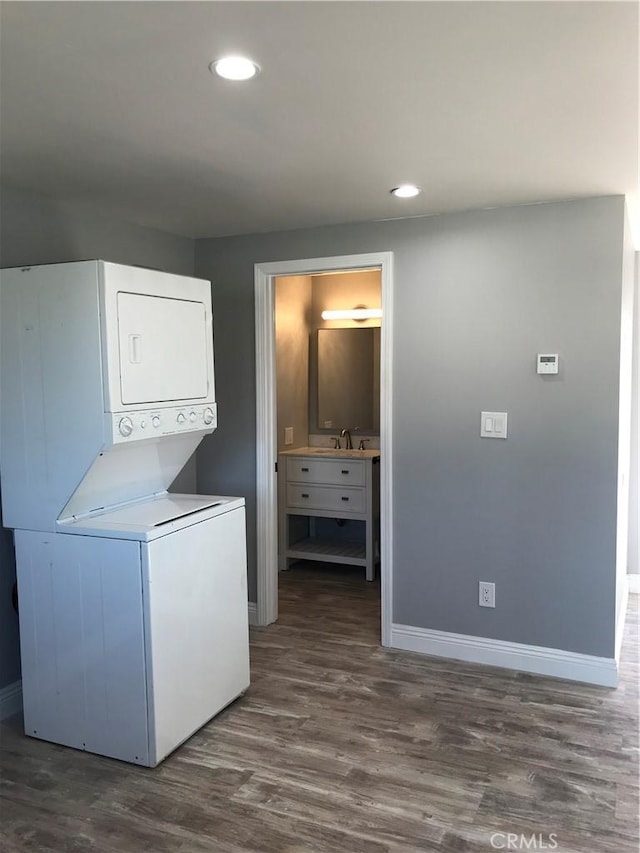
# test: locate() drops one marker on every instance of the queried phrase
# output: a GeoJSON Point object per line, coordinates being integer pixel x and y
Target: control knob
{"type": "Point", "coordinates": [181, 418]}
{"type": "Point", "coordinates": [155, 420]}
{"type": "Point", "coordinates": [125, 426]}
{"type": "Point", "coordinates": [192, 416]}
{"type": "Point", "coordinates": [208, 416]}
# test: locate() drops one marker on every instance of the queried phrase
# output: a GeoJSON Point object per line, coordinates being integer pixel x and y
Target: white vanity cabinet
{"type": "Point", "coordinates": [343, 486]}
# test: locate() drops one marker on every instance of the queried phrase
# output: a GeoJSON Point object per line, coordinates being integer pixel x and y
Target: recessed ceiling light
{"type": "Point", "coordinates": [235, 68]}
{"type": "Point", "coordinates": [406, 191]}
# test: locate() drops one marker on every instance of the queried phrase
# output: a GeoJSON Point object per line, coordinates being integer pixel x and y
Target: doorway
{"type": "Point", "coordinates": [266, 425]}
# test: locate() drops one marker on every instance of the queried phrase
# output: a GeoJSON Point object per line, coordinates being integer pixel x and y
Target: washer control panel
{"type": "Point", "coordinates": [153, 423]}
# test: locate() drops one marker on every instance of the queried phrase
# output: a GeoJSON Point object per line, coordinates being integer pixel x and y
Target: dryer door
{"type": "Point", "coordinates": [163, 349]}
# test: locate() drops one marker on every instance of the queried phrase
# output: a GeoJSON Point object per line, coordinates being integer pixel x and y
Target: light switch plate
{"type": "Point", "coordinates": [288, 435]}
{"type": "Point", "coordinates": [493, 425]}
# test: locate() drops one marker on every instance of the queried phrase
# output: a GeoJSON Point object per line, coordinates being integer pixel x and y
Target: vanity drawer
{"type": "Point", "coordinates": [336, 472]}
{"type": "Point", "coordinates": [332, 498]}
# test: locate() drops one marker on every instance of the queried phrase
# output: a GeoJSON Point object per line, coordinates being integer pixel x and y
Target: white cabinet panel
{"type": "Point", "coordinates": [197, 626]}
{"type": "Point", "coordinates": [128, 648]}
{"type": "Point", "coordinates": [82, 643]}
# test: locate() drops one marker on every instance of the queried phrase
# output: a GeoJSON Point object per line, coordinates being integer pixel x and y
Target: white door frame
{"type": "Point", "coordinates": [266, 424]}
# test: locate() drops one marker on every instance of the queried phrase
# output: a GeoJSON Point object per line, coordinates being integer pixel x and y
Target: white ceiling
{"type": "Point", "coordinates": [482, 104]}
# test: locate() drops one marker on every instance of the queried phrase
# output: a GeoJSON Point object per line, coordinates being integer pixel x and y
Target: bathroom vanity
{"type": "Point", "coordinates": [320, 487]}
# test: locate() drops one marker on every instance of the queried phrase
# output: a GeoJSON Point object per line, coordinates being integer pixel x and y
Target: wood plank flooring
{"type": "Point", "coordinates": [340, 746]}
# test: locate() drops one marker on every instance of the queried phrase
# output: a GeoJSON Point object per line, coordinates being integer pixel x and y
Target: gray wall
{"type": "Point", "coordinates": [37, 230]}
{"type": "Point", "coordinates": [477, 295]}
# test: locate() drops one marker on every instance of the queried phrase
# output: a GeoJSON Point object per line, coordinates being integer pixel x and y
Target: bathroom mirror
{"type": "Point", "coordinates": [349, 379]}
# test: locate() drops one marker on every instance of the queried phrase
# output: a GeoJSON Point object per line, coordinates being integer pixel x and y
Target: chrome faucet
{"type": "Point", "coordinates": [344, 433]}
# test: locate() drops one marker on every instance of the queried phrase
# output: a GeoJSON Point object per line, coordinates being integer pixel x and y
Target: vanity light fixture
{"type": "Point", "coordinates": [406, 191]}
{"type": "Point", "coordinates": [353, 314]}
{"type": "Point", "coordinates": [234, 68]}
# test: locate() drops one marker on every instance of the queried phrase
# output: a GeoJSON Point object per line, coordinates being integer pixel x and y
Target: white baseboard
{"type": "Point", "coordinates": [253, 613]}
{"type": "Point", "coordinates": [10, 699]}
{"type": "Point", "coordinates": [634, 584]}
{"type": "Point", "coordinates": [483, 650]}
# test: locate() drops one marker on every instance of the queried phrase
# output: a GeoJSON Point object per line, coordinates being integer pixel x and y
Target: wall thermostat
{"type": "Point", "coordinates": [547, 362]}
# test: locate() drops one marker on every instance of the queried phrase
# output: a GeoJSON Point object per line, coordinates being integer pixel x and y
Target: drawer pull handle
{"type": "Point", "coordinates": [304, 495]}
{"type": "Point", "coordinates": [345, 499]}
{"type": "Point", "coordinates": [344, 472]}
{"type": "Point", "coordinates": [304, 469]}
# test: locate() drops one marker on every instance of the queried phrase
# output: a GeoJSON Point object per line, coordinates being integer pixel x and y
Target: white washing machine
{"type": "Point", "coordinates": [133, 601]}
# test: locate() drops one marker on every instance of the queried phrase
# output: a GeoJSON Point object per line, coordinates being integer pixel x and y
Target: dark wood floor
{"type": "Point", "coordinates": [343, 747]}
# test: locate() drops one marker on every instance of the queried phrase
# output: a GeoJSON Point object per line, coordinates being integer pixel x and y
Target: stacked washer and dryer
{"type": "Point", "coordinates": [133, 600]}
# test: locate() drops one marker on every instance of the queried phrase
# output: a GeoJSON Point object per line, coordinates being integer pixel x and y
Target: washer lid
{"type": "Point", "coordinates": [152, 517]}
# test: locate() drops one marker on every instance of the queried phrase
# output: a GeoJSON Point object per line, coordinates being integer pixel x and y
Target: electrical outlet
{"type": "Point", "coordinates": [486, 594]}
{"type": "Point", "coordinates": [288, 435]}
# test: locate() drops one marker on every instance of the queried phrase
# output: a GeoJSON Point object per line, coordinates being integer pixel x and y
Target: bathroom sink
{"type": "Point", "coordinates": [339, 454]}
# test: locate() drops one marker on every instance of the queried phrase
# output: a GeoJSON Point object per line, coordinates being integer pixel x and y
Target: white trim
{"type": "Point", "coordinates": [10, 699]}
{"type": "Point", "coordinates": [622, 617]}
{"type": "Point", "coordinates": [535, 659]}
{"type": "Point", "coordinates": [266, 480]}
{"type": "Point", "coordinates": [634, 584]}
{"type": "Point", "coordinates": [253, 613]}
{"type": "Point", "coordinates": [386, 444]}
{"type": "Point", "coordinates": [266, 445]}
